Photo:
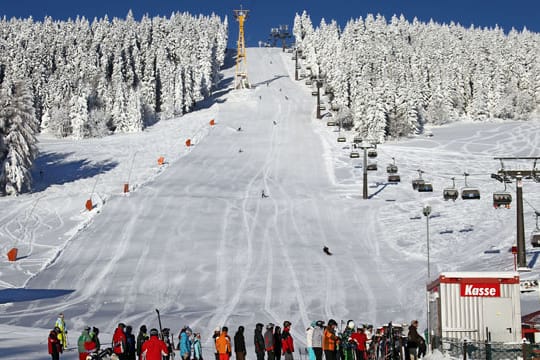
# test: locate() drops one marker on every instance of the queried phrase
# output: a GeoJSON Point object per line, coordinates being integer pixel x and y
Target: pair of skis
{"type": "Point", "coordinates": [162, 337]}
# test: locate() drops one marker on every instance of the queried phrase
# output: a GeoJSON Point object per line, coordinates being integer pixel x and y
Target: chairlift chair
{"type": "Point", "coordinates": [394, 178]}
{"type": "Point", "coordinates": [372, 167]}
{"type": "Point", "coordinates": [535, 235]}
{"type": "Point", "coordinates": [502, 199]}
{"type": "Point", "coordinates": [334, 107]}
{"type": "Point", "coordinates": [425, 187]}
{"type": "Point", "coordinates": [314, 93]}
{"type": "Point", "coordinates": [451, 193]}
{"type": "Point", "coordinates": [322, 107]}
{"type": "Point", "coordinates": [341, 139]}
{"type": "Point", "coordinates": [417, 182]}
{"type": "Point", "coordinates": [354, 154]}
{"type": "Point", "coordinates": [372, 153]}
{"type": "Point", "coordinates": [357, 139]}
{"type": "Point", "coordinates": [330, 123]}
{"type": "Point", "coordinates": [392, 168]}
{"type": "Point", "coordinates": [469, 193]}
{"type": "Point", "coordinates": [308, 82]}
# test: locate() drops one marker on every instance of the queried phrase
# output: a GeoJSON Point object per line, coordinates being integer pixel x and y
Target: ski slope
{"type": "Point", "coordinates": [195, 238]}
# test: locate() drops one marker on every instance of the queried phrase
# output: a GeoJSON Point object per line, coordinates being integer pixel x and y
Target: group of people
{"type": "Point", "coordinates": [271, 342]}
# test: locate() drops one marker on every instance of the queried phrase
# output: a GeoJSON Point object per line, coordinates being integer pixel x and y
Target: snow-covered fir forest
{"type": "Point", "coordinates": [390, 78]}
{"type": "Point", "coordinates": [83, 79]}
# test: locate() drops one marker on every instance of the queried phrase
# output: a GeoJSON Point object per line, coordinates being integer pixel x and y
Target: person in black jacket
{"type": "Point", "coordinates": [141, 338]}
{"type": "Point", "coordinates": [414, 340]}
{"type": "Point", "coordinates": [277, 343]}
{"type": "Point", "coordinates": [130, 343]}
{"type": "Point", "coordinates": [259, 342]}
{"type": "Point", "coordinates": [240, 344]}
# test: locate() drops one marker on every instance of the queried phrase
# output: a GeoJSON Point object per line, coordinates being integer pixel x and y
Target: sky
{"type": "Point", "coordinates": [265, 14]}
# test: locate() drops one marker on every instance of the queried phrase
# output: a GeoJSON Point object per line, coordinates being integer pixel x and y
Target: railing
{"type": "Point", "coordinates": [460, 349]}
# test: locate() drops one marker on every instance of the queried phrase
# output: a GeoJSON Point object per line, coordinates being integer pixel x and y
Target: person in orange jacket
{"type": "Point", "coordinates": [329, 340]}
{"type": "Point", "coordinates": [223, 344]}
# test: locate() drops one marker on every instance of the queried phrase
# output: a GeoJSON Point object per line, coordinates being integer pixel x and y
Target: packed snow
{"type": "Point", "coordinates": [196, 239]}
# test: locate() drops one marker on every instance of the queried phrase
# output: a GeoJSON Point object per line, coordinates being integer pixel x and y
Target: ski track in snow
{"type": "Point", "coordinates": [196, 239]}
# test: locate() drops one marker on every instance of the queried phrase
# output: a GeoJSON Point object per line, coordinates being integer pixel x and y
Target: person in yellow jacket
{"type": "Point", "coordinates": [62, 335]}
{"type": "Point", "coordinates": [223, 344]}
{"type": "Point", "coordinates": [329, 340]}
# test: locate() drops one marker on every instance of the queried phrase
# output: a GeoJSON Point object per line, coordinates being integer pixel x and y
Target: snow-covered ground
{"type": "Point", "coordinates": [195, 238]}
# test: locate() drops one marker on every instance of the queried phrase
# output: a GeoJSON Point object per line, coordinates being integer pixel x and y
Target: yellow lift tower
{"type": "Point", "coordinates": [241, 76]}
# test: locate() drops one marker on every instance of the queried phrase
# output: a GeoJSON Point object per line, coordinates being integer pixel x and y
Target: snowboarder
{"type": "Point", "coordinates": [240, 344]}
{"type": "Point", "coordinates": [327, 250]}
{"type": "Point", "coordinates": [263, 194]}
{"type": "Point", "coordinates": [275, 122]}
{"type": "Point", "coordinates": [54, 344]}
{"type": "Point", "coordinates": [286, 97]}
{"type": "Point", "coordinates": [62, 336]}
{"type": "Point", "coordinates": [240, 150]}
{"type": "Point", "coordinates": [239, 128]}
{"type": "Point", "coordinates": [154, 348]}
{"type": "Point", "coordinates": [287, 344]}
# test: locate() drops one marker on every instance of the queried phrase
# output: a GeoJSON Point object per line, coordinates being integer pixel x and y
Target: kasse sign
{"type": "Point", "coordinates": [481, 290]}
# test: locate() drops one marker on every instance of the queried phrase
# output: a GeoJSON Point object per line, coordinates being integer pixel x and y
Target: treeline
{"type": "Point", "coordinates": [393, 77]}
{"type": "Point", "coordinates": [87, 79]}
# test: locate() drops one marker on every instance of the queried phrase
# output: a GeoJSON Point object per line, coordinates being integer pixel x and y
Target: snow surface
{"type": "Point", "coordinates": [195, 239]}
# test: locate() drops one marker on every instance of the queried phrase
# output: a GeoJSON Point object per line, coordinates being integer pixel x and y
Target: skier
{"type": "Point", "coordinates": [317, 339]}
{"type": "Point", "coordinates": [141, 338]}
{"type": "Point", "coordinates": [259, 341]}
{"type": "Point", "coordinates": [329, 340]}
{"type": "Point", "coordinates": [154, 348]}
{"type": "Point", "coordinates": [54, 344]}
{"type": "Point", "coordinates": [240, 344]}
{"type": "Point", "coordinates": [263, 194]}
{"type": "Point", "coordinates": [130, 343]}
{"type": "Point", "coordinates": [309, 340]}
{"type": "Point", "coordinates": [269, 341]}
{"type": "Point", "coordinates": [223, 344]}
{"type": "Point", "coordinates": [119, 342]}
{"type": "Point", "coordinates": [360, 339]}
{"type": "Point", "coordinates": [61, 324]}
{"type": "Point", "coordinates": [414, 340]}
{"type": "Point", "coordinates": [287, 345]}
{"type": "Point", "coordinates": [277, 343]}
{"type": "Point", "coordinates": [347, 343]}
{"type": "Point", "coordinates": [185, 343]}
{"type": "Point", "coordinates": [94, 335]}
{"type": "Point", "coordinates": [197, 348]}
{"type": "Point", "coordinates": [83, 338]}
{"type": "Point", "coordinates": [326, 250]}
{"type": "Point", "coordinates": [166, 336]}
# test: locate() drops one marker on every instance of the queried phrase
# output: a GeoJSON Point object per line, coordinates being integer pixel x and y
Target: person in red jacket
{"type": "Point", "coordinates": [154, 348]}
{"type": "Point", "coordinates": [119, 342]}
{"type": "Point", "coordinates": [287, 345]}
{"type": "Point", "coordinates": [54, 344]}
{"type": "Point", "coordinates": [360, 338]}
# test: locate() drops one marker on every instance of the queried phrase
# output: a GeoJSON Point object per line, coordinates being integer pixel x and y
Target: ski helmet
{"type": "Point", "coordinates": [154, 332]}
{"type": "Point", "coordinates": [350, 324]}
{"type": "Point", "coordinates": [313, 323]}
{"type": "Point", "coordinates": [286, 323]}
{"type": "Point", "coordinates": [270, 326]}
{"type": "Point", "coordinates": [332, 322]}
{"type": "Point", "coordinates": [320, 323]}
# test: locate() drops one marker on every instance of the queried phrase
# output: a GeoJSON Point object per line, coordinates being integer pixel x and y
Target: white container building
{"type": "Point", "coordinates": [476, 306]}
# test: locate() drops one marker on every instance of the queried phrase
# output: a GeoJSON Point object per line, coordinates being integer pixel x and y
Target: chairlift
{"type": "Point", "coordinates": [425, 187]}
{"type": "Point", "coordinates": [469, 193]}
{"type": "Point", "coordinates": [417, 182]}
{"type": "Point", "coordinates": [330, 123]}
{"type": "Point", "coordinates": [372, 167]}
{"type": "Point", "coordinates": [535, 235]}
{"type": "Point", "coordinates": [354, 154]}
{"type": "Point", "coordinates": [392, 168]}
{"type": "Point", "coordinates": [334, 107]}
{"type": "Point", "coordinates": [394, 178]}
{"type": "Point", "coordinates": [322, 107]}
{"type": "Point", "coordinates": [341, 139]}
{"type": "Point", "coordinates": [314, 93]}
{"type": "Point", "coordinates": [451, 193]}
{"type": "Point", "coordinates": [372, 153]}
{"type": "Point", "coordinates": [308, 82]}
{"type": "Point", "coordinates": [357, 139]}
{"type": "Point", "coordinates": [502, 199]}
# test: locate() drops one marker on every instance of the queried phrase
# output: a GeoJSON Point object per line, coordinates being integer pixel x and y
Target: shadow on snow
{"type": "Point", "coordinates": [19, 295]}
{"type": "Point", "coordinates": [52, 169]}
